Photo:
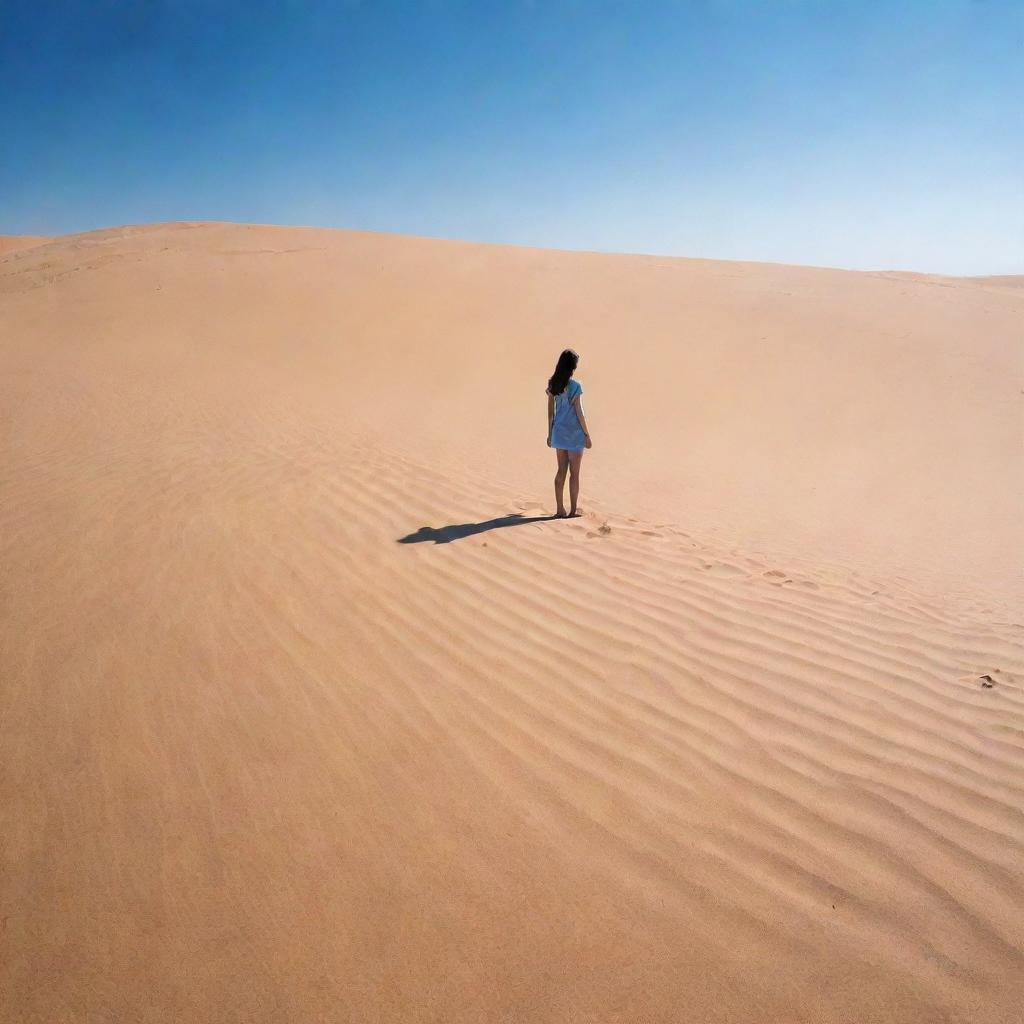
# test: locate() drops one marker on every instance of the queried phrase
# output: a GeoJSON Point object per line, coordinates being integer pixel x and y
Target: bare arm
{"type": "Point", "coordinates": [551, 415]}
{"type": "Point", "coordinates": [577, 404]}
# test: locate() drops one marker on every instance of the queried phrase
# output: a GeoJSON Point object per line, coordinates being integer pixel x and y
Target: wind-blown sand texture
{"type": "Point", "coordinates": [307, 714]}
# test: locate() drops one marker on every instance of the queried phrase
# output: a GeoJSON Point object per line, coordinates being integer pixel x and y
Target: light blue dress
{"type": "Point", "coordinates": [566, 432]}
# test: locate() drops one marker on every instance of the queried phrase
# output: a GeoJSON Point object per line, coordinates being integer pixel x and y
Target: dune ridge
{"type": "Point", "coordinates": [308, 711]}
{"type": "Point", "coordinates": [15, 243]}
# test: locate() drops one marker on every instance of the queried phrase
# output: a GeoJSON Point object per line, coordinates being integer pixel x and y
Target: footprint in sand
{"type": "Point", "coordinates": [602, 531]}
{"type": "Point", "coordinates": [723, 569]}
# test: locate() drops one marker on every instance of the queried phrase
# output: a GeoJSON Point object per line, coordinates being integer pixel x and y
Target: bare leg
{"type": "Point", "coordinates": [563, 467]}
{"type": "Point", "coordinates": [575, 460]}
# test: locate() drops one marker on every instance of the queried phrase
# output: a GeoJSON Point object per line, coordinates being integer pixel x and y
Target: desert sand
{"type": "Point", "coordinates": [308, 714]}
{"type": "Point", "coordinates": [15, 243]}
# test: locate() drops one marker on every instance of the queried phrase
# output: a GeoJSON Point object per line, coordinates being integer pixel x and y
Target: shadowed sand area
{"type": "Point", "coordinates": [719, 750]}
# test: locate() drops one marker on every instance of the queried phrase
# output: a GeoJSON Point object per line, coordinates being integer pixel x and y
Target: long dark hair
{"type": "Point", "coordinates": [564, 369]}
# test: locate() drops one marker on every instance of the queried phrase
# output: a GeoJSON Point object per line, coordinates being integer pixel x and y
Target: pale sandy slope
{"type": "Point", "coordinates": [15, 243]}
{"type": "Point", "coordinates": [717, 751]}
{"type": "Point", "coordinates": [1004, 283]}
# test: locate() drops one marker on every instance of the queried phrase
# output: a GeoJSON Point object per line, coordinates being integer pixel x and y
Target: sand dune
{"type": "Point", "coordinates": [15, 243]}
{"type": "Point", "coordinates": [309, 714]}
{"type": "Point", "coordinates": [1005, 282]}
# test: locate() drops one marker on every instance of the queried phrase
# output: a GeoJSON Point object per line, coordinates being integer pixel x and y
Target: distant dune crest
{"type": "Point", "coordinates": [15, 243]}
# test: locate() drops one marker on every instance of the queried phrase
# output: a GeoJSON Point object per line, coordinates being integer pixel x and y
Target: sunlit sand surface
{"type": "Point", "coordinates": [307, 713]}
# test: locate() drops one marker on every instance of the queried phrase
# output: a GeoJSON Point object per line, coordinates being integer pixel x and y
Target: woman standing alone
{"type": "Point", "coordinates": [567, 429]}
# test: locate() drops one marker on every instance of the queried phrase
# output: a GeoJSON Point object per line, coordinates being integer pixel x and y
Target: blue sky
{"type": "Point", "coordinates": [861, 134]}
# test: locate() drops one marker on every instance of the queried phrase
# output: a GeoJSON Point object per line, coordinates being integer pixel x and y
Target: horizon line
{"type": "Point", "coordinates": [183, 222]}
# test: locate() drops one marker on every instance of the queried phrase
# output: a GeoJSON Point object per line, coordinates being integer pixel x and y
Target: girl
{"type": "Point", "coordinates": [567, 428]}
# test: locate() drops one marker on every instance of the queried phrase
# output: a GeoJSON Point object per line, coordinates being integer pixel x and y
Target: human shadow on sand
{"type": "Point", "coordinates": [446, 534]}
